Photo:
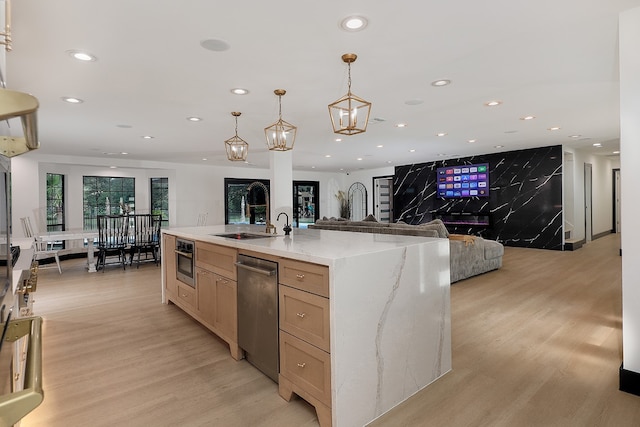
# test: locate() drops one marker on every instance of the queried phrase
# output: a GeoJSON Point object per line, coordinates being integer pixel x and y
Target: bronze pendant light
{"type": "Point", "coordinates": [349, 114]}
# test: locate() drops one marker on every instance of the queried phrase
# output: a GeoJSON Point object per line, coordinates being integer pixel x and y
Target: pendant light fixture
{"type": "Point", "coordinates": [237, 148]}
{"type": "Point", "coordinates": [349, 114]}
{"type": "Point", "coordinates": [281, 135]}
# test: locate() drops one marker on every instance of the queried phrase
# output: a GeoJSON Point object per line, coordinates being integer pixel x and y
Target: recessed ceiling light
{"type": "Point", "coordinates": [414, 101]}
{"type": "Point", "coordinates": [327, 155]}
{"type": "Point", "coordinates": [575, 136]}
{"type": "Point", "coordinates": [379, 146]}
{"type": "Point", "coordinates": [498, 146]}
{"type": "Point", "coordinates": [554, 128]}
{"type": "Point", "coordinates": [441, 134]}
{"type": "Point", "coordinates": [527, 118]}
{"type": "Point", "coordinates": [471, 140]}
{"type": "Point", "coordinates": [72, 100]}
{"type": "Point", "coordinates": [359, 159]}
{"type": "Point", "coordinates": [442, 82]}
{"type": "Point", "coordinates": [597, 144]}
{"type": "Point", "coordinates": [338, 139]}
{"type": "Point", "coordinates": [401, 125]}
{"type": "Point", "coordinates": [204, 159]}
{"type": "Point", "coordinates": [82, 56]}
{"type": "Point", "coordinates": [492, 103]}
{"type": "Point", "coordinates": [194, 119]}
{"type": "Point", "coordinates": [313, 167]}
{"type": "Point", "coordinates": [215, 45]}
{"type": "Point", "coordinates": [388, 161]}
{"type": "Point", "coordinates": [124, 126]}
{"type": "Point", "coordinates": [124, 153]}
{"type": "Point", "coordinates": [113, 167]}
{"type": "Point", "coordinates": [412, 151]}
{"type": "Point", "coordinates": [354, 23]}
{"type": "Point", "coordinates": [616, 152]}
{"type": "Point", "coordinates": [147, 137]}
{"type": "Point", "coordinates": [239, 91]}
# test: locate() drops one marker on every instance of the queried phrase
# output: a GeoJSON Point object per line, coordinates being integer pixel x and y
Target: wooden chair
{"type": "Point", "coordinates": [202, 219]}
{"type": "Point", "coordinates": [40, 246]}
{"type": "Point", "coordinates": [145, 237]}
{"type": "Point", "coordinates": [113, 239]}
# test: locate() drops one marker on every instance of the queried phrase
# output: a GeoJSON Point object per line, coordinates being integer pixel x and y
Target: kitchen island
{"type": "Point", "coordinates": [379, 307]}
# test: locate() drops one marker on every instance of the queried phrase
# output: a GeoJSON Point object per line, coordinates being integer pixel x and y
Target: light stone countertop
{"type": "Point", "coordinates": [316, 246]}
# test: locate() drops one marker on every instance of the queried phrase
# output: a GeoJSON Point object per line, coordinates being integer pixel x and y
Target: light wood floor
{"type": "Point", "coordinates": [537, 343]}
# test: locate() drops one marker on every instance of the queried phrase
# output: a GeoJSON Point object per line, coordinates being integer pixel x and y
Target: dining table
{"type": "Point", "coordinates": [88, 235]}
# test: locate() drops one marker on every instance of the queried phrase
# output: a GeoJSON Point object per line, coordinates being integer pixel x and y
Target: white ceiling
{"type": "Point", "coordinates": [553, 59]}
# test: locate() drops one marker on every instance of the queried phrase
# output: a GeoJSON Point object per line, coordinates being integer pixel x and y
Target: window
{"type": "Point", "coordinates": [104, 195]}
{"type": "Point", "coordinates": [160, 199]}
{"type": "Point", "coordinates": [305, 203]}
{"type": "Point", "coordinates": [242, 207]}
{"type": "Point", "coordinates": [54, 216]}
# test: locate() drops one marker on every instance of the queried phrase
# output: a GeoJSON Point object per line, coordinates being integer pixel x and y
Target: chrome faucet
{"type": "Point", "coordinates": [287, 226]}
{"type": "Point", "coordinates": [250, 187]}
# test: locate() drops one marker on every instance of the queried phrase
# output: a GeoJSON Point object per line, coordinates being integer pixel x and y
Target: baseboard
{"type": "Point", "coordinates": [603, 234]}
{"type": "Point", "coordinates": [572, 245]}
{"type": "Point", "coordinates": [629, 381]}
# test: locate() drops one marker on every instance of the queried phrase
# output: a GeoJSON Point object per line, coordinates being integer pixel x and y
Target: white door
{"type": "Point", "coordinates": [616, 177]}
{"type": "Point", "coordinates": [383, 199]}
{"type": "Point", "coordinates": [588, 218]}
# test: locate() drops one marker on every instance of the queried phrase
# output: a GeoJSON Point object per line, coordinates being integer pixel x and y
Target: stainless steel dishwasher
{"type": "Point", "coordinates": [258, 313]}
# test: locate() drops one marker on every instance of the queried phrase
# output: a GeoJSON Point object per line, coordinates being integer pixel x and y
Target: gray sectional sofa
{"type": "Point", "coordinates": [468, 255]}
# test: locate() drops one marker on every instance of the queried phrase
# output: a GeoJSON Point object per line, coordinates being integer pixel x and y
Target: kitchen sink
{"type": "Point", "coordinates": [242, 236]}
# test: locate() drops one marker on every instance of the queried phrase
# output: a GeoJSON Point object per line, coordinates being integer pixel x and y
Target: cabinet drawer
{"type": "Point", "coordinates": [308, 277]}
{"type": "Point", "coordinates": [219, 259]}
{"type": "Point", "coordinates": [305, 315]}
{"type": "Point", "coordinates": [306, 366]}
{"type": "Point", "coordinates": [187, 295]}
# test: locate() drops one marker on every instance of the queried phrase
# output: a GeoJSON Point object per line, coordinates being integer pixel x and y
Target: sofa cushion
{"type": "Point", "coordinates": [493, 249]}
{"type": "Point", "coordinates": [438, 226]}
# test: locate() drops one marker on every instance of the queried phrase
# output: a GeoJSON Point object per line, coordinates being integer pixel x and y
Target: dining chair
{"type": "Point", "coordinates": [42, 251]}
{"type": "Point", "coordinates": [145, 237]}
{"type": "Point", "coordinates": [113, 239]}
{"type": "Point", "coordinates": [202, 219]}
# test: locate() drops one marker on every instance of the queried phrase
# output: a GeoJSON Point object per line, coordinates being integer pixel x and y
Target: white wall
{"type": "Point", "coordinates": [630, 155]}
{"type": "Point", "coordinates": [366, 178]}
{"type": "Point", "coordinates": [602, 191]}
{"type": "Point", "coordinates": [193, 189]}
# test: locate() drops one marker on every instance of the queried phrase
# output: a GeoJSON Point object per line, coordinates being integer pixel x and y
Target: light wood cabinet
{"type": "Point", "coordinates": [305, 315]}
{"type": "Point", "coordinates": [305, 345]}
{"type": "Point", "coordinates": [213, 300]}
{"type": "Point", "coordinates": [305, 276]}
{"type": "Point", "coordinates": [187, 296]}
{"type": "Point", "coordinates": [217, 303]}
{"type": "Point", "coordinates": [218, 259]}
{"type": "Point", "coordinates": [169, 265]}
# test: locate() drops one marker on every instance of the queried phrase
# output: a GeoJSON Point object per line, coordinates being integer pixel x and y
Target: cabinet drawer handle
{"type": "Point", "coordinates": [299, 276]}
{"type": "Point", "coordinates": [302, 365]}
{"type": "Point", "coordinates": [184, 295]}
{"type": "Point", "coordinates": [301, 315]}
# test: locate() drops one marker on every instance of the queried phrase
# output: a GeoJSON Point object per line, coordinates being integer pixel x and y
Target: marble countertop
{"type": "Point", "coordinates": [317, 246]}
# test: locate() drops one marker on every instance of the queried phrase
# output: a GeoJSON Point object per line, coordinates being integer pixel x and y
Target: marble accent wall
{"type": "Point", "coordinates": [524, 203]}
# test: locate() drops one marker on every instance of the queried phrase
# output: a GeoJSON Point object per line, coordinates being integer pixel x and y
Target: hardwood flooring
{"type": "Point", "coordinates": [536, 343]}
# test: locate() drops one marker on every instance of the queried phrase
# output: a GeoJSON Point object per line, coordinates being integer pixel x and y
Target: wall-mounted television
{"type": "Point", "coordinates": [457, 182]}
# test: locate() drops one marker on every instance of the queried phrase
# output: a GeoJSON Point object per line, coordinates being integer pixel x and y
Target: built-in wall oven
{"type": "Point", "coordinates": [185, 268]}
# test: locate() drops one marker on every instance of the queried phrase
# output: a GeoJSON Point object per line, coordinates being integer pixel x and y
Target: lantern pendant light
{"type": "Point", "coordinates": [237, 148]}
{"type": "Point", "coordinates": [281, 135]}
{"type": "Point", "coordinates": [349, 114]}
